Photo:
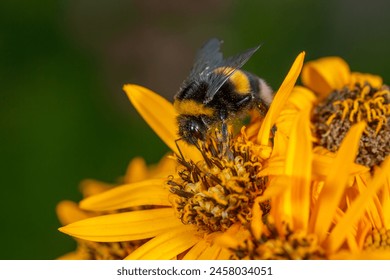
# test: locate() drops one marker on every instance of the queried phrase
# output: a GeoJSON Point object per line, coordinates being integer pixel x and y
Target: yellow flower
{"type": "Point", "coordinates": [69, 212]}
{"type": "Point", "coordinates": [346, 98]}
{"type": "Point", "coordinates": [212, 192]}
{"type": "Point", "coordinates": [334, 99]}
{"type": "Point", "coordinates": [305, 221]}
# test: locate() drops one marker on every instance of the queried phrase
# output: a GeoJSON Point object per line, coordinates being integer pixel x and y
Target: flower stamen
{"type": "Point", "coordinates": [378, 239]}
{"type": "Point", "coordinates": [219, 190]}
{"type": "Point", "coordinates": [334, 116]}
{"type": "Point", "coordinates": [272, 246]}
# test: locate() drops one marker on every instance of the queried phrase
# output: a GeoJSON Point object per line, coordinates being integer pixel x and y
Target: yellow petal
{"type": "Point", "coordinates": [374, 207]}
{"type": "Point", "coordinates": [232, 238]}
{"type": "Point", "coordinates": [69, 212]}
{"type": "Point", "coordinates": [336, 182]}
{"type": "Point", "coordinates": [385, 202]}
{"type": "Point", "coordinates": [166, 245]}
{"type": "Point", "coordinates": [357, 209]}
{"type": "Point", "coordinates": [209, 240]}
{"type": "Point", "coordinates": [352, 242]}
{"type": "Point", "coordinates": [276, 162]}
{"type": "Point", "coordinates": [256, 224]}
{"type": "Point", "coordinates": [323, 162]}
{"type": "Point", "coordinates": [75, 255]}
{"type": "Point", "coordinates": [279, 100]}
{"type": "Point", "coordinates": [124, 226]}
{"type": "Point", "coordinates": [166, 166]}
{"type": "Point", "coordinates": [210, 253]}
{"type": "Point", "coordinates": [282, 135]}
{"type": "Point", "coordinates": [362, 78]}
{"type": "Point", "coordinates": [136, 171]}
{"type": "Point", "coordinates": [364, 229]}
{"type": "Point", "coordinates": [298, 166]}
{"type": "Point", "coordinates": [281, 207]}
{"type": "Point", "coordinates": [277, 185]}
{"type": "Point", "coordinates": [302, 98]}
{"type": "Point", "coordinates": [252, 130]}
{"type": "Point", "coordinates": [224, 254]}
{"type": "Point", "coordinates": [195, 252]}
{"type": "Point", "coordinates": [362, 255]}
{"type": "Point", "coordinates": [90, 187]}
{"type": "Point", "coordinates": [156, 111]}
{"type": "Point", "coordinates": [216, 250]}
{"type": "Point", "coordinates": [325, 75]}
{"type": "Point", "coordinates": [150, 192]}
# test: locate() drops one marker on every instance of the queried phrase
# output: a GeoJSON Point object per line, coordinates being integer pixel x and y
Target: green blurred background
{"type": "Point", "coordinates": [64, 116]}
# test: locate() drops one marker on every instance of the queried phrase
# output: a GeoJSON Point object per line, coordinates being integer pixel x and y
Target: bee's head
{"type": "Point", "coordinates": [191, 129]}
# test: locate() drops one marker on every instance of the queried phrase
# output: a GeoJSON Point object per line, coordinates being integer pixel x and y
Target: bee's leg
{"type": "Point", "coordinates": [263, 108]}
{"type": "Point", "coordinates": [205, 157]}
{"type": "Point", "coordinates": [181, 158]}
{"type": "Point", "coordinates": [224, 129]}
{"type": "Point", "coordinates": [260, 105]}
{"type": "Point", "coordinates": [178, 148]}
{"type": "Point", "coordinates": [225, 136]}
{"type": "Point", "coordinates": [226, 141]}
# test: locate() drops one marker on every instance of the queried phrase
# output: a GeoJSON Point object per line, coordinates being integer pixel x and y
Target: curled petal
{"type": "Point", "coordinates": [280, 99]}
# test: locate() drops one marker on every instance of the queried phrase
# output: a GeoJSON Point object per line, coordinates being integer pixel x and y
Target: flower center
{"type": "Point", "coordinates": [378, 239]}
{"type": "Point", "coordinates": [220, 190]}
{"type": "Point", "coordinates": [333, 117]}
{"type": "Point", "coordinates": [271, 246]}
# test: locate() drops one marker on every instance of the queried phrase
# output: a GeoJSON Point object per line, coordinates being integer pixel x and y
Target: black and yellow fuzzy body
{"type": "Point", "coordinates": [216, 91]}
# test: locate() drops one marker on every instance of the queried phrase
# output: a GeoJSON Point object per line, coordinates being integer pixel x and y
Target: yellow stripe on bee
{"type": "Point", "coordinates": [191, 107]}
{"type": "Point", "coordinates": [239, 79]}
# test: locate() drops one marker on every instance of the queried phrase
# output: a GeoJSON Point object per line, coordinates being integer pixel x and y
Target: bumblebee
{"type": "Point", "coordinates": [216, 91]}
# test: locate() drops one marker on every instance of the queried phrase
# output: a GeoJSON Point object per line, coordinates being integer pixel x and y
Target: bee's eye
{"type": "Point", "coordinates": [191, 129]}
{"type": "Point", "coordinates": [195, 130]}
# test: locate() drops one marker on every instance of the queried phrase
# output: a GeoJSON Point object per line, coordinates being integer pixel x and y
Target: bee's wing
{"type": "Point", "coordinates": [229, 66]}
{"type": "Point", "coordinates": [207, 58]}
